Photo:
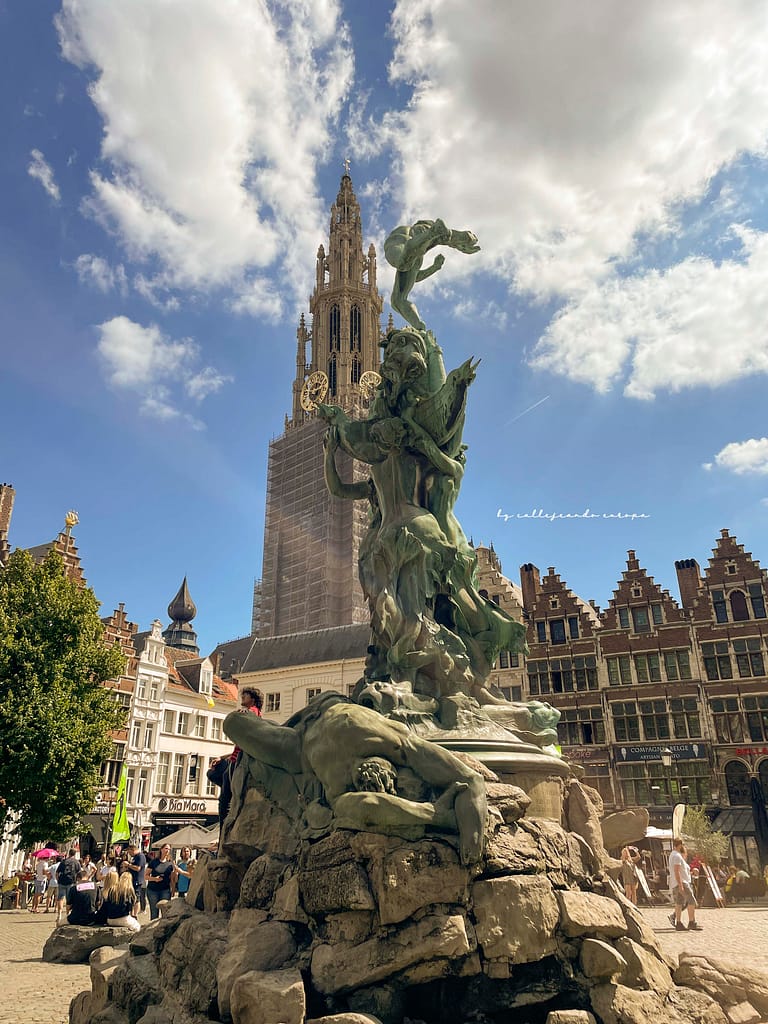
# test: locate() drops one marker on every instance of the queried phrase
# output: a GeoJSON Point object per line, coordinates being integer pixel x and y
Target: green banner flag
{"type": "Point", "coordinates": [120, 827]}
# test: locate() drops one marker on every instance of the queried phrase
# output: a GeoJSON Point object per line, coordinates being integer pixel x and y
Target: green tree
{"type": "Point", "coordinates": [55, 717]}
{"type": "Point", "coordinates": [699, 836]}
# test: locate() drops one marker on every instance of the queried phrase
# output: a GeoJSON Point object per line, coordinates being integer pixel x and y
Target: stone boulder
{"type": "Point", "coordinates": [254, 944]}
{"type": "Point", "coordinates": [342, 967]}
{"type": "Point", "coordinates": [516, 917]}
{"type": "Point", "coordinates": [582, 818]}
{"type": "Point", "coordinates": [73, 943]}
{"type": "Point", "coordinates": [587, 914]}
{"type": "Point", "coordinates": [269, 997]}
{"type": "Point", "coordinates": [624, 827]}
{"type": "Point", "coordinates": [600, 960]}
{"type": "Point", "coordinates": [728, 983]}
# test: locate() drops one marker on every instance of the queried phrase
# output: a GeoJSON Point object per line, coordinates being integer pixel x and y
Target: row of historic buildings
{"type": "Point", "coordinates": [175, 707]}
{"type": "Point", "coordinates": [645, 676]}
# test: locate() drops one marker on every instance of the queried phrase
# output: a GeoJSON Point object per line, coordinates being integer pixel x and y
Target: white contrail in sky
{"type": "Point", "coordinates": [530, 407]}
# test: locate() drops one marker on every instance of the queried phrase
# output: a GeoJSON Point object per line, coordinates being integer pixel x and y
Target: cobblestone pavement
{"type": "Point", "coordinates": [736, 933]}
{"type": "Point", "coordinates": [34, 992]}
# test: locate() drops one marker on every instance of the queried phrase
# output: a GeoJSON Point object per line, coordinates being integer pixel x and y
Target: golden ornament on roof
{"type": "Point", "coordinates": [71, 519]}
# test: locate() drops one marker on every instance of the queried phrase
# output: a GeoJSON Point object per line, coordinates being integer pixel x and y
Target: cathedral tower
{"type": "Point", "coordinates": [311, 539]}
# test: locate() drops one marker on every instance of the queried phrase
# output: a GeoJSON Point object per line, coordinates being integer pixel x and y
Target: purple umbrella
{"type": "Point", "coordinates": [45, 853]}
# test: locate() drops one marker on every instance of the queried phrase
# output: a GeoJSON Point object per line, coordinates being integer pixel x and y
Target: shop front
{"type": "Point", "coordinates": [173, 813]}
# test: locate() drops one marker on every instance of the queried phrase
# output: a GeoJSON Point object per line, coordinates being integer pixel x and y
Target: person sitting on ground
{"type": "Point", "coordinates": [682, 892]}
{"type": "Point", "coordinates": [117, 908]}
{"type": "Point", "coordinates": [81, 899]}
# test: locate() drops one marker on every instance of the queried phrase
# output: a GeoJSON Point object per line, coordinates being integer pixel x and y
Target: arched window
{"type": "Point", "coordinates": [737, 783]}
{"type": "Point", "coordinates": [762, 771]}
{"type": "Point", "coordinates": [355, 369]}
{"type": "Point", "coordinates": [332, 375]}
{"type": "Point", "coordinates": [739, 609]}
{"type": "Point", "coordinates": [354, 329]}
{"type": "Point", "coordinates": [335, 329]}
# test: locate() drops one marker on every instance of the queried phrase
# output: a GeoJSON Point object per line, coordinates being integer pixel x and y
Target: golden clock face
{"type": "Point", "coordinates": [369, 381]}
{"type": "Point", "coordinates": [314, 390]}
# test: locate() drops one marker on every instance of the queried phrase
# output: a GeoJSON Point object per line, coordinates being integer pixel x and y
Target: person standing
{"type": "Point", "coordinates": [52, 892]}
{"type": "Point", "coordinates": [137, 865]}
{"type": "Point", "coordinates": [682, 892]}
{"type": "Point", "coordinates": [251, 699]}
{"type": "Point", "coordinates": [161, 880]}
{"type": "Point", "coordinates": [629, 877]}
{"type": "Point", "coordinates": [66, 876]}
{"type": "Point", "coordinates": [184, 868]}
{"type": "Point", "coordinates": [41, 883]}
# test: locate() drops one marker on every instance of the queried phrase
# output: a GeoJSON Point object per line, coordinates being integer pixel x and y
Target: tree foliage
{"type": "Point", "coordinates": [711, 846]}
{"type": "Point", "coordinates": [55, 717]}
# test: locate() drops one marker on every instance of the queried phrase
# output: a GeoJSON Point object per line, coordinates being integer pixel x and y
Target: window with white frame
{"type": "Point", "coordinates": [168, 717]}
{"type": "Point", "coordinates": [273, 702]}
{"type": "Point", "coordinates": [216, 728]}
{"type": "Point", "coordinates": [200, 726]}
{"type": "Point", "coordinates": [141, 687]}
{"type": "Point", "coordinates": [178, 774]}
{"type": "Point", "coordinates": [149, 735]}
{"type": "Point", "coordinates": [129, 787]}
{"type": "Point", "coordinates": [206, 680]}
{"type": "Point", "coordinates": [210, 788]}
{"type": "Point", "coordinates": [142, 784]}
{"type": "Point", "coordinates": [163, 771]}
{"type": "Point", "coordinates": [182, 726]}
{"type": "Point", "coordinates": [136, 734]}
{"type": "Point", "coordinates": [312, 693]}
{"type": "Point", "coordinates": [154, 689]}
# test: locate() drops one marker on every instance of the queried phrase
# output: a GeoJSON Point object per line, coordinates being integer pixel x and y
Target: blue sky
{"type": "Point", "coordinates": [167, 169]}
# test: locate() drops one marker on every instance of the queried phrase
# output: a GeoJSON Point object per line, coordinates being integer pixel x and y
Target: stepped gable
{"type": "Point", "coordinates": [493, 584]}
{"type": "Point", "coordinates": [66, 547]}
{"type": "Point", "coordinates": [733, 573]}
{"type": "Point", "coordinates": [636, 589]}
{"type": "Point", "coordinates": [118, 629]}
{"type": "Point", "coordinates": [7, 498]}
{"type": "Point", "coordinates": [551, 598]}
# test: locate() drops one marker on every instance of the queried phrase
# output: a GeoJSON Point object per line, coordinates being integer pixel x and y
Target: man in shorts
{"type": "Point", "coordinates": [681, 889]}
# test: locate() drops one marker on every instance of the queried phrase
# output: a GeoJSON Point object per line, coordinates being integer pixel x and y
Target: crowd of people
{"type": "Point", "coordinates": [111, 891]}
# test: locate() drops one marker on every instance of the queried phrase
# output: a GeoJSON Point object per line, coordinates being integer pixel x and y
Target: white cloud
{"type": "Point", "coordinates": [96, 271]}
{"type": "Point", "coordinates": [41, 170]}
{"type": "Point", "coordinates": [696, 324]}
{"type": "Point", "coordinates": [215, 116]}
{"type": "Point", "coordinates": [742, 457]}
{"type": "Point", "coordinates": [156, 368]}
{"type": "Point", "coordinates": [257, 297]}
{"type": "Point", "coordinates": [557, 131]}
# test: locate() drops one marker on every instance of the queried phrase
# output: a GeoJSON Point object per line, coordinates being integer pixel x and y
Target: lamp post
{"type": "Point", "coordinates": [666, 760]}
